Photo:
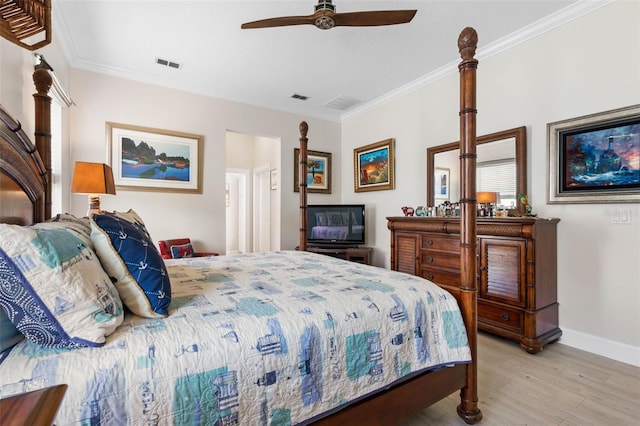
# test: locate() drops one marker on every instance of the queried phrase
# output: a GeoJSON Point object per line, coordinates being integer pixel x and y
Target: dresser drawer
{"type": "Point", "coordinates": [438, 242]}
{"type": "Point", "coordinates": [441, 276]}
{"type": "Point", "coordinates": [507, 318]}
{"type": "Point", "coordinates": [441, 259]}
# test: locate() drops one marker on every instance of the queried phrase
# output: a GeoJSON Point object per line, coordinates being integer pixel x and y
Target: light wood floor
{"type": "Point", "coordinates": [559, 386]}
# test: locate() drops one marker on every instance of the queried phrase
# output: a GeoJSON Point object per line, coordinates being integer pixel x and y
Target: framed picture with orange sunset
{"type": "Point", "coordinates": [373, 166]}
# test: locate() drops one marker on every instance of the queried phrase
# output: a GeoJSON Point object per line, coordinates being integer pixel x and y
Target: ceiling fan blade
{"type": "Point", "coordinates": [373, 18]}
{"type": "Point", "coordinates": [282, 21]}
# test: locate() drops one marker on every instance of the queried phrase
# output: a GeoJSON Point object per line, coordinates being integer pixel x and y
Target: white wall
{"type": "Point", "coordinates": [102, 98]}
{"type": "Point", "coordinates": [589, 65]}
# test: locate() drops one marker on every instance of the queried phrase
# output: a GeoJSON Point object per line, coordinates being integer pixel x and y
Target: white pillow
{"type": "Point", "coordinates": [53, 288]}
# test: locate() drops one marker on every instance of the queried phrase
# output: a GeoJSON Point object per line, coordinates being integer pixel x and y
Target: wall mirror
{"type": "Point", "coordinates": [501, 167]}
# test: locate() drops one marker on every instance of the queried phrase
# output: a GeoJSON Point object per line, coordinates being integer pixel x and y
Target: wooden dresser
{"type": "Point", "coordinates": [517, 264]}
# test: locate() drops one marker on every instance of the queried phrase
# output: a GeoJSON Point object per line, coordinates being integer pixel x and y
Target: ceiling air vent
{"type": "Point", "coordinates": [341, 103]}
{"type": "Point", "coordinates": [168, 63]}
{"type": "Point", "coordinates": [299, 97]}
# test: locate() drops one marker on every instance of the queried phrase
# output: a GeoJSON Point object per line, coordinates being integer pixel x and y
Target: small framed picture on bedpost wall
{"type": "Point", "coordinates": [318, 171]}
{"type": "Point", "coordinates": [146, 159]}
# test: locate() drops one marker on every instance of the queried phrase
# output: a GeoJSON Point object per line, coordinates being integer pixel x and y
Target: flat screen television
{"type": "Point", "coordinates": [335, 224]}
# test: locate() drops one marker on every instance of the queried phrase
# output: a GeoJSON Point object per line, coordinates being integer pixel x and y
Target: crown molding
{"type": "Point", "coordinates": [561, 17]}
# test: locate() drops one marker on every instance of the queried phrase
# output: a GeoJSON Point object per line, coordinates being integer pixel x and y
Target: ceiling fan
{"type": "Point", "coordinates": [325, 17]}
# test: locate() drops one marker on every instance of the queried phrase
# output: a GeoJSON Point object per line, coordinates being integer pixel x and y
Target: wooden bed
{"type": "Point", "coordinates": [25, 198]}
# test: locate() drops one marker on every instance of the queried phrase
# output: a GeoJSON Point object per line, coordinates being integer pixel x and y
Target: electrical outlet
{"type": "Point", "coordinates": [621, 216]}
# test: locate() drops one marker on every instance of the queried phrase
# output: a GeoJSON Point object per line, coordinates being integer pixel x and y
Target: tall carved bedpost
{"type": "Point", "coordinates": [302, 174]}
{"type": "Point", "coordinates": [42, 80]}
{"type": "Point", "coordinates": [467, 42]}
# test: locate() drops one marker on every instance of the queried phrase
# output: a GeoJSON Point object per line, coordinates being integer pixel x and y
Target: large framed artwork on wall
{"type": "Point", "coordinates": [149, 159]}
{"type": "Point", "coordinates": [373, 166]}
{"type": "Point", "coordinates": [595, 158]}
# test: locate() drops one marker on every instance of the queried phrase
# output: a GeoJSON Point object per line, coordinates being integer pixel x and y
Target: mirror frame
{"type": "Point", "coordinates": [520, 136]}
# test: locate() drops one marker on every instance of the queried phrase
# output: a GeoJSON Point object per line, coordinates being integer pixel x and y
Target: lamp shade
{"type": "Point", "coordinates": [487, 197]}
{"type": "Point", "coordinates": [92, 178]}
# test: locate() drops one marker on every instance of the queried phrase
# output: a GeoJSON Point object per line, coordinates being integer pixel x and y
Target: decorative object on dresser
{"type": "Point", "coordinates": [92, 179]}
{"type": "Point", "coordinates": [373, 166]}
{"type": "Point", "coordinates": [517, 264]}
{"type": "Point", "coordinates": [594, 158]}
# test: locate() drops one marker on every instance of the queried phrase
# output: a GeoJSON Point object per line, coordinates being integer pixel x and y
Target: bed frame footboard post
{"type": "Point", "coordinates": [302, 175]}
{"type": "Point", "coordinates": [467, 42]}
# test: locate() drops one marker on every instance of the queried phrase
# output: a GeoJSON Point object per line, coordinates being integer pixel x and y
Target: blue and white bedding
{"type": "Point", "coordinates": [276, 338]}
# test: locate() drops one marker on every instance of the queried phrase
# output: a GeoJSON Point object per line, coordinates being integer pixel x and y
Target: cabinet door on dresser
{"type": "Point", "coordinates": [503, 267]}
{"type": "Point", "coordinates": [405, 254]}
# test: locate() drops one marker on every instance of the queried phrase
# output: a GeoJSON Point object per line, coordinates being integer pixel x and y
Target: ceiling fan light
{"type": "Point", "coordinates": [325, 22]}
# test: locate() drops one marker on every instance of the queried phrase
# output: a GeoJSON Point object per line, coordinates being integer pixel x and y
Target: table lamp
{"type": "Point", "coordinates": [92, 179]}
{"type": "Point", "coordinates": [488, 200]}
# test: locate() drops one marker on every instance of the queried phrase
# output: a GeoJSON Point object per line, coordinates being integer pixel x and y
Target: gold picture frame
{"type": "Point", "coordinates": [148, 159]}
{"type": "Point", "coordinates": [373, 166]}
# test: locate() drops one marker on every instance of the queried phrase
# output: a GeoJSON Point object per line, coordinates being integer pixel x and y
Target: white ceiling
{"type": "Point", "coordinates": [264, 67]}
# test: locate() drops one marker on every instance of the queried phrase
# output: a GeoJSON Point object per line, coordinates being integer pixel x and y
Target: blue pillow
{"type": "Point", "coordinates": [53, 288]}
{"type": "Point", "coordinates": [134, 264]}
{"type": "Point", "coordinates": [184, 250]}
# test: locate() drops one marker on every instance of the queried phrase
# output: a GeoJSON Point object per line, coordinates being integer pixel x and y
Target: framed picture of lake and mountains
{"type": "Point", "coordinates": [149, 159]}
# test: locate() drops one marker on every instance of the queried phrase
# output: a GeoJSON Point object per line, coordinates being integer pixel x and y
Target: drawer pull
{"type": "Point", "coordinates": [430, 259]}
{"type": "Point", "coordinates": [506, 317]}
{"type": "Point", "coordinates": [429, 276]}
{"type": "Point", "coordinates": [429, 242]}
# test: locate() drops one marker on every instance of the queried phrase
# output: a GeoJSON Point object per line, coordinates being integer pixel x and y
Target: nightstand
{"type": "Point", "coordinates": [32, 408]}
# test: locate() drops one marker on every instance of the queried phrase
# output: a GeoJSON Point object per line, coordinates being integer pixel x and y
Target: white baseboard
{"type": "Point", "coordinates": [608, 348]}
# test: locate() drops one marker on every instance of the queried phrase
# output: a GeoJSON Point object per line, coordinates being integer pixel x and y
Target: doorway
{"type": "Point", "coordinates": [237, 202]}
{"type": "Point", "coordinates": [262, 209]}
{"type": "Point", "coordinates": [252, 203]}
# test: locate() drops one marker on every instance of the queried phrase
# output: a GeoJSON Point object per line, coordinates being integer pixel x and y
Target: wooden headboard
{"type": "Point", "coordinates": [25, 167]}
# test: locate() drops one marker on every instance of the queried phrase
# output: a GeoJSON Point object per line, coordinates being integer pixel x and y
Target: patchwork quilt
{"type": "Point", "coordinates": [254, 339]}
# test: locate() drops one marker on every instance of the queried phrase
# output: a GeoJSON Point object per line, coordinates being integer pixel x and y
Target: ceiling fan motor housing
{"type": "Point", "coordinates": [325, 5]}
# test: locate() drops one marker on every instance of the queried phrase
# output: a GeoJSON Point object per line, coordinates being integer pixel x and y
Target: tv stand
{"type": "Point", "coordinates": [353, 254]}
